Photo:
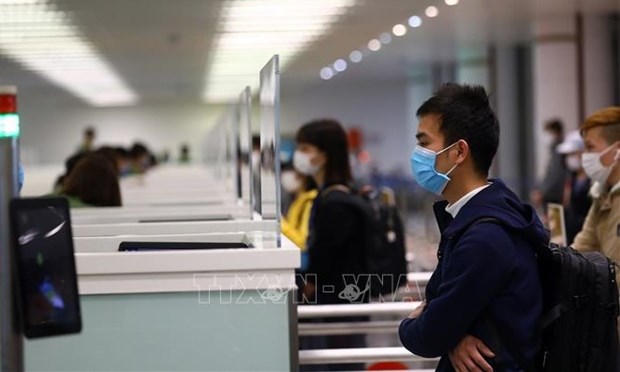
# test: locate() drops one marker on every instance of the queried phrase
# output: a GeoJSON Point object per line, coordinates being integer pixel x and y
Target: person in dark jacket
{"type": "Point", "coordinates": [335, 242]}
{"type": "Point", "coordinates": [551, 187]}
{"type": "Point", "coordinates": [485, 292]}
{"type": "Point", "coordinates": [577, 200]}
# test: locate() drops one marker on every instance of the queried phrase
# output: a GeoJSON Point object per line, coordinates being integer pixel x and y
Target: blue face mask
{"type": "Point", "coordinates": [423, 168]}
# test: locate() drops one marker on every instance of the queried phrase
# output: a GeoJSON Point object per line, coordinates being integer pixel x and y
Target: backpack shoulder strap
{"type": "Point", "coordinates": [333, 188]}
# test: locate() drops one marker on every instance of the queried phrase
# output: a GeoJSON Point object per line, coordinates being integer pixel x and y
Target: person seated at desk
{"type": "Point", "coordinates": [93, 182]}
{"type": "Point", "coordinates": [295, 225]}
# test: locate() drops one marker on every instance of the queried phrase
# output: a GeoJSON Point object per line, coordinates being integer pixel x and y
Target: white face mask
{"type": "Point", "coordinates": [548, 139]}
{"type": "Point", "coordinates": [290, 182]}
{"type": "Point", "coordinates": [573, 163]}
{"type": "Point", "coordinates": [255, 158]}
{"type": "Point", "coordinates": [303, 163]}
{"type": "Point", "coordinates": [595, 169]}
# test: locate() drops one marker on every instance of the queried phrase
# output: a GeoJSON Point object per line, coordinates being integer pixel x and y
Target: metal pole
{"type": "Point", "coordinates": [11, 342]}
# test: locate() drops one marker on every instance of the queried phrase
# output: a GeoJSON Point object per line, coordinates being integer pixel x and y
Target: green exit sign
{"type": "Point", "coordinates": [9, 125]}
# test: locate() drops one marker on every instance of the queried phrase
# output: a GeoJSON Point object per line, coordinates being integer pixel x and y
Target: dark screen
{"type": "Point", "coordinates": [48, 290]}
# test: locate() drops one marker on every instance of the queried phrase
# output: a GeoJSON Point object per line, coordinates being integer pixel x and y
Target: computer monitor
{"type": "Point", "coordinates": [171, 246]}
{"type": "Point", "coordinates": [45, 264]}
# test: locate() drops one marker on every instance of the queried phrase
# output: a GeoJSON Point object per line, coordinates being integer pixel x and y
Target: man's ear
{"type": "Point", "coordinates": [462, 148]}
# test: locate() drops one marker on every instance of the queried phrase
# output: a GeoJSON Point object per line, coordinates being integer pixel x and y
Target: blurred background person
{"type": "Point", "coordinates": [577, 199]}
{"type": "Point", "coordinates": [296, 222]}
{"type": "Point", "coordinates": [140, 158]}
{"type": "Point", "coordinates": [551, 188]}
{"type": "Point", "coordinates": [113, 156]}
{"type": "Point", "coordinates": [69, 165]}
{"type": "Point", "coordinates": [93, 182]}
{"type": "Point", "coordinates": [184, 157]}
{"type": "Point", "coordinates": [88, 140]}
{"type": "Point", "coordinates": [124, 161]}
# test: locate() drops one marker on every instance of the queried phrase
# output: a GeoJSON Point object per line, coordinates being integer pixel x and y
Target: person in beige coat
{"type": "Point", "coordinates": [601, 161]}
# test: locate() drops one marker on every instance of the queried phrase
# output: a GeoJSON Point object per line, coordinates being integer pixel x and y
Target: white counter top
{"type": "Point", "coordinates": [187, 271]}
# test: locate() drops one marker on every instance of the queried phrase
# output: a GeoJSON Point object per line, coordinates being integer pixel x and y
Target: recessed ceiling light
{"type": "Point", "coordinates": [356, 56]}
{"type": "Point", "coordinates": [340, 65]}
{"type": "Point", "coordinates": [374, 45]}
{"type": "Point", "coordinates": [399, 30]}
{"type": "Point", "coordinates": [415, 21]}
{"type": "Point", "coordinates": [385, 38]}
{"type": "Point", "coordinates": [451, 2]}
{"type": "Point", "coordinates": [432, 12]}
{"type": "Point", "coordinates": [327, 73]}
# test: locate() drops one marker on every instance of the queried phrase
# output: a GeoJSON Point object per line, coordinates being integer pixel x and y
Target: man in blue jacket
{"type": "Point", "coordinates": [484, 300]}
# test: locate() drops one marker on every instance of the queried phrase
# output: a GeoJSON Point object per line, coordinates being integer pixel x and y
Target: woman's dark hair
{"type": "Point", "coordinates": [94, 181]}
{"type": "Point", "coordinates": [69, 165]}
{"type": "Point", "coordinates": [111, 154]}
{"type": "Point", "coordinates": [329, 137]}
{"type": "Point", "coordinates": [466, 114]}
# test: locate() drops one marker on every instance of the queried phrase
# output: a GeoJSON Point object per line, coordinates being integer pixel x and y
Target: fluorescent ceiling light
{"type": "Point", "coordinates": [42, 39]}
{"type": "Point", "coordinates": [252, 31]}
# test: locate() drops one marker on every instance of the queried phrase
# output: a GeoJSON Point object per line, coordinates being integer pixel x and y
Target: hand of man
{"type": "Point", "coordinates": [469, 356]}
{"type": "Point", "coordinates": [418, 311]}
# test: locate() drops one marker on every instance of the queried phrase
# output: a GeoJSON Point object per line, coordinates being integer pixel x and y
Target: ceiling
{"type": "Point", "coordinates": [161, 48]}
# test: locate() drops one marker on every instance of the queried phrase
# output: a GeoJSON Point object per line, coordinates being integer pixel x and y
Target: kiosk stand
{"type": "Point", "coordinates": [11, 352]}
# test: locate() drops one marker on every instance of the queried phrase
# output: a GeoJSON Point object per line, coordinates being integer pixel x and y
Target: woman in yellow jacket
{"type": "Point", "coordinates": [295, 225]}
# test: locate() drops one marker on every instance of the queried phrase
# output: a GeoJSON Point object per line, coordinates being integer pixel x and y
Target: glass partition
{"type": "Point", "coordinates": [269, 96]}
{"type": "Point", "coordinates": [244, 149]}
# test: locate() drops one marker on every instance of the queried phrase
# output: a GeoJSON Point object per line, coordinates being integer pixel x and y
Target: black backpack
{"type": "Point", "coordinates": [390, 267]}
{"type": "Point", "coordinates": [384, 239]}
{"type": "Point", "coordinates": [579, 326]}
{"type": "Point", "coordinates": [580, 321]}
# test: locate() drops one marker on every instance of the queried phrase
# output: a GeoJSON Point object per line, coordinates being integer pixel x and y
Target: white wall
{"type": "Point", "coordinates": [598, 63]}
{"type": "Point", "coordinates": [51, 133]}
{"type": "Point", "coordinates": [555, 80]}
{"type": "Point", "coordinates": [378, 108]}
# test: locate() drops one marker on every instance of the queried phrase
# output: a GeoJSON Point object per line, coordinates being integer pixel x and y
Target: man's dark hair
{"type": "Point", "coordinates": [138, 150]}
{"type": "Point", "coordinates": [122, 152]}
{"type": "Point", "coordinates": [329, 137]}
{"type": "Point", "coordinates": [556, 126]}
{"type": "Point", "coordinates": [465, 114]}
{"type": "Point", "coordinates": [256, 142]}
{"type": "Point", "coordinates": [89, 132]}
